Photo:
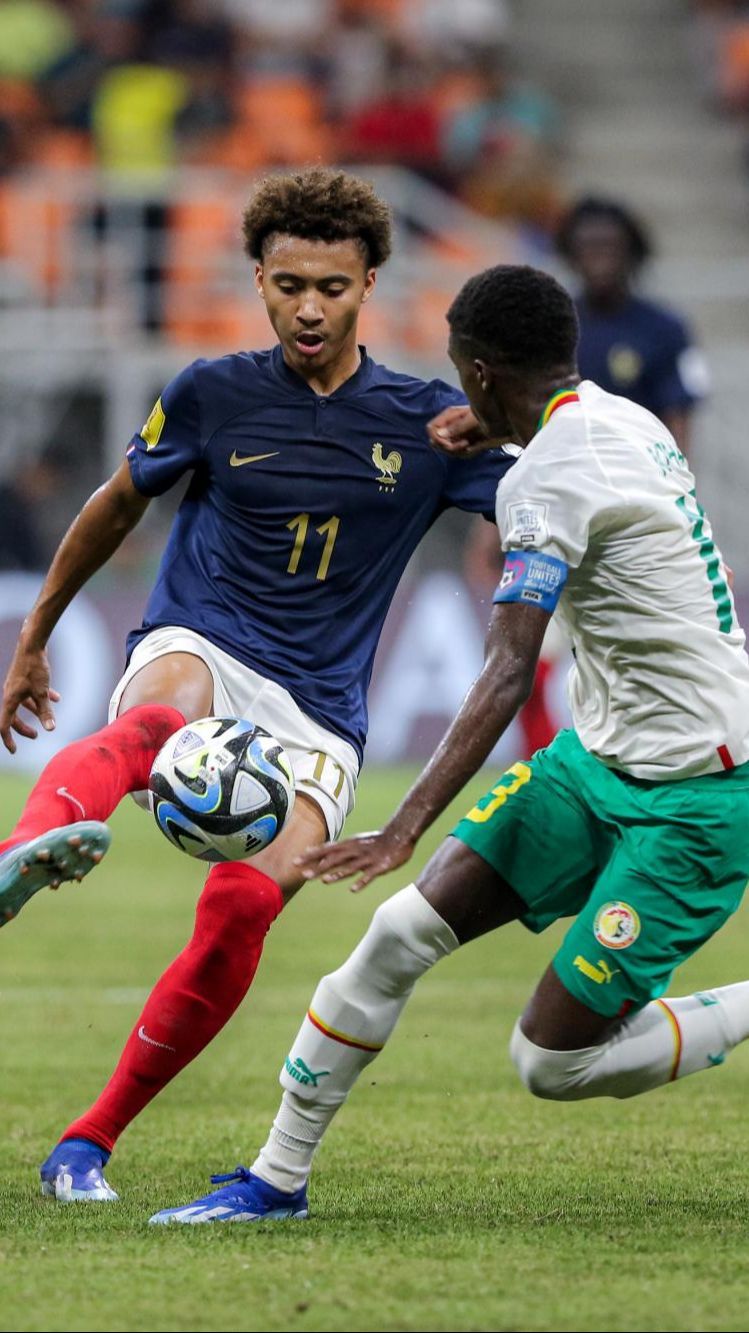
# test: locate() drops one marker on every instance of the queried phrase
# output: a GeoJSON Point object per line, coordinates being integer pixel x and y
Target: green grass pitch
{"type": "Point", "coordinates": [445, 1197]}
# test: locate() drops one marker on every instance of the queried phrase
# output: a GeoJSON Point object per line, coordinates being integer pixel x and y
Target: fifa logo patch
{"type": "Point", "coordinates": [388, 466]}
{"type": "Point", "coordinates": [528, 523]}
{"type": "Point", "coordinates": [616, 926]}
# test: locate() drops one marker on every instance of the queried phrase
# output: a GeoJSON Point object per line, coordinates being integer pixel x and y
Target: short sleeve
{"type": "Point", "coordinates": [169, 443]}
{"type": "Point", "coordinates": [552, 501]}
{"type": "Point", "coordinates": [471, 483]}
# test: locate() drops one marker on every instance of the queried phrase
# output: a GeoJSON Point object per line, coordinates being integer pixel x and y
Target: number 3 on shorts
{"type": "Point", "coordinates": [519, 774]}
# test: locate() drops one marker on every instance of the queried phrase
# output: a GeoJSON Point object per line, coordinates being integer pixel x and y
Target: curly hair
{"type": "Point", "coordinates": [320, 204]}
{"type": "Point", "coordinates": [597, 207]}
{"type": "Point", "coordinates": [517, 315]}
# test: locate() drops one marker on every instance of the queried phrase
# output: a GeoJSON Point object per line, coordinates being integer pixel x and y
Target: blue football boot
{"type": "Point", "coordinates": [74, 1173]}
{"type": "Point", "coordinates": [45, 862]}
{"type": "Point", "coordinates": [246, 1198]}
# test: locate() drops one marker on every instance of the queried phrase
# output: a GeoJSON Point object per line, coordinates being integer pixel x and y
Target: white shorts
{"type": "Point", "coordinates": [326, 768]}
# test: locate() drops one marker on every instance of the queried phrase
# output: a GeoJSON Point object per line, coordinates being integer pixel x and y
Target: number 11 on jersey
{"type": "Point", "coordinates": [328, 530]}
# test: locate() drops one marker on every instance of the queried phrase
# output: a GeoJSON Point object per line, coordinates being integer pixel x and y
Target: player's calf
{"type": "Point", "coordinates": [664, 1041]}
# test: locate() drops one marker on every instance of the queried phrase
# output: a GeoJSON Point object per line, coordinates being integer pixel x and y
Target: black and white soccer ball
{"type": "Point", "coordinates": [222, 789]}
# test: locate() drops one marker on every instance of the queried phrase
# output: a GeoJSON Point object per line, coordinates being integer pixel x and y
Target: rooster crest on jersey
{"type": "Point", "coordinates": [222, 789]}
{"type": "Point", "coordinates": [388, 465]}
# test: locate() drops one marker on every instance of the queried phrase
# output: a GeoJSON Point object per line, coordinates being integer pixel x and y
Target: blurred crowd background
{"type": "Point", "coordinates": [607, 142]}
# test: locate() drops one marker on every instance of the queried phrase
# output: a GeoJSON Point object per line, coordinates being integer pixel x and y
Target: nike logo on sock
{"type": "Point", "coordinates": [151, 1042]}
{"type": "Point", "coordinates": [63, 791]}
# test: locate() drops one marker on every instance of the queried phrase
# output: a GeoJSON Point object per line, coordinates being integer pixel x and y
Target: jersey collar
{"type": "Point", "coordinates": [559, 399]}
{"type": "Point", "coordinates": [354, 384]}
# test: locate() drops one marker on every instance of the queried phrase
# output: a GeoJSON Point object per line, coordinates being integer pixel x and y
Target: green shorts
{"type": "Point", "coordinates": [650, 869]}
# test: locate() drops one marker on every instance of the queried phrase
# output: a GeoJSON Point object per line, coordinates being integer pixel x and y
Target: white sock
{"type": "Point", "coordinates": [666, 1040]}
{"type": "Point", "coordinates": [352, 1014]}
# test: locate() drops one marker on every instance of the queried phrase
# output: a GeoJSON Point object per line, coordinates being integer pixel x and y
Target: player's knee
{"type": "Point", "coordinates": [236, 903]}
{"type": "Point", "coordinates": [406, 922]}
{"type": "Point", "coordinates": [552, 1075]}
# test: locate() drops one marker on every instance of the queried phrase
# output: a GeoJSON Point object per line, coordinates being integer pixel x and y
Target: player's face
{"type": "Point", "coordinates": [313, 292]}
{"type": "Point", "coordinates": [480, 387]}
{"type": "Point", "coordinates": [600, 253]}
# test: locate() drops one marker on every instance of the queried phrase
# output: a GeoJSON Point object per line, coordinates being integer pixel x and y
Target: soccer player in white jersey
{"type": "Point", "coordinates": [636, 821]}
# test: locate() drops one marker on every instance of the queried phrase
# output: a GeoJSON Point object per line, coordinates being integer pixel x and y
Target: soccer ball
{"type": "Point", "coordinates": [222, 789]}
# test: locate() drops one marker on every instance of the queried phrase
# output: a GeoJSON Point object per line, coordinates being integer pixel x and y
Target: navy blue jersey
{"type": "Point", "coordinates": [300, 517]}
{"type": "Point", "coordinates": [643, 353]}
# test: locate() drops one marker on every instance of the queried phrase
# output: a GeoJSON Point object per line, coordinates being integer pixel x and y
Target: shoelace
{"type": "Point", "coordinates": [242, 1173]}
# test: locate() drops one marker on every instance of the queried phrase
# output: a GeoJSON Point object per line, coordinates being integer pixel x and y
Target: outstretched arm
{"type": "Point", "coordinates": [103, 523]}
{"type": "Point", "coordinates": [456, 432]}
{"type": "Point", "coordinates": [516, 632]}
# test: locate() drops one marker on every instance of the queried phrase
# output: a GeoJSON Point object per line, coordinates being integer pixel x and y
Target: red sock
{"type": "Point", "coordinates": [88, 779]}
{"type": "Point", "coordinates": [192, 1001]}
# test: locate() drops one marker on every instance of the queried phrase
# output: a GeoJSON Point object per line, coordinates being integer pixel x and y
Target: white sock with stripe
{"type": "Point", "coordinates": [352, 1014]}
{"type": "Point", "coordinates": [666, 1040]}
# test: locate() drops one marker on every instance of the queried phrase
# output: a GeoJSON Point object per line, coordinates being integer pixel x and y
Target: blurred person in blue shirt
{"type": "Point", "coordinates": [628, 345]}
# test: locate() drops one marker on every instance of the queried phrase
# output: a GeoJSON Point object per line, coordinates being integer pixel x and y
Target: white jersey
{"type": "Point", "coordinates": [660, 682]}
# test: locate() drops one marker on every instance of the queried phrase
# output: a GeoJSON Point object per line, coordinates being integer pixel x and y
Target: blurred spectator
{"type": "Point", "coordinates": [140, 88]}
{"type": "Point", "coordinates": [455, 30]}
{"type": "Point", "coordinates": [628, 345]}
{"type": "Point", "coordinates": [290, 23]}
{"type": "Point", "coordinates": [21, 114]}
{"type": "Point", "coordinates": [33, 33]}
{"type": "Point", "coordinates": [188, 30]}
{"type": "Point", "coordinates": [134, 117]}
{"type": "Point", "coordinates": [356, 48]}
{"type": "Point", "coordinates": [400, 123]}
{"type": "Point", "coordinates": [501, 147]}
{"type": "Point", "coordinates": [21, 498]}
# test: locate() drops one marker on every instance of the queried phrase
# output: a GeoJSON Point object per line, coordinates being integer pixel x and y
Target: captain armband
{"type": "Point", "coordinates": [533, 578]}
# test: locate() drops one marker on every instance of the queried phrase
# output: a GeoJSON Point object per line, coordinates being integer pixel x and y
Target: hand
{"type": "Point", "coordinates": [367, 856]}
{"type": "Point", "coordinates": [27, 686]}
{"type": "Point", "coordinates": [456, 432]}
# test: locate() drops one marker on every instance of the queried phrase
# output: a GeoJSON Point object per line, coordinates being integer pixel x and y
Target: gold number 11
{"type": "Point", "coordinates": [328, 530]}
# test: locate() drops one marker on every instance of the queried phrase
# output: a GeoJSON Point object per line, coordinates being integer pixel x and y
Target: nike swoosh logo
{"type": "Point", "coordinates": [63, 791]}
{"type": "Point", "coordinates": [151, 1042]}
{"type": "Point", "coordinates": [236, 461]}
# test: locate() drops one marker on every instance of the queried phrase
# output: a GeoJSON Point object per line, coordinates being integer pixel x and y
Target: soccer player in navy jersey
{"type": "Point", "coordinates": [313, 480]}
{"type": "Point", "coordinates": [629, 346]}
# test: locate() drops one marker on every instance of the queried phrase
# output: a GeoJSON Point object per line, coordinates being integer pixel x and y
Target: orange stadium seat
{"type": "Point", "coordinates": [424, 330]}
{"type": "Point", "coordinates": [38, 221]}
{"type": "Point", "coordinates": [377, 330]}
{"type": "Point", "coordinates": [282, 116]}
{"type": "Point", "coordinates": [202, 305]}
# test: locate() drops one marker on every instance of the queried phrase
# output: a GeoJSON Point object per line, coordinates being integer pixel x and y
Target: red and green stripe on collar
{"type": "Point", "coordinates": [559, 399]}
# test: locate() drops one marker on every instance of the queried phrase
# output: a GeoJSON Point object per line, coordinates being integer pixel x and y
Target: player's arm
{"type": "Point", "coordinates": [103, 523]}
{"type": "Point", "coordinates": [513, 644]}
{"type": "Point", "coordinates": [456, 432]}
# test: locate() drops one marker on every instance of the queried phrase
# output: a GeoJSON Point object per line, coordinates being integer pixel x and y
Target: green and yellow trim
{"type": "Point", "coordinates": [559, 399]}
